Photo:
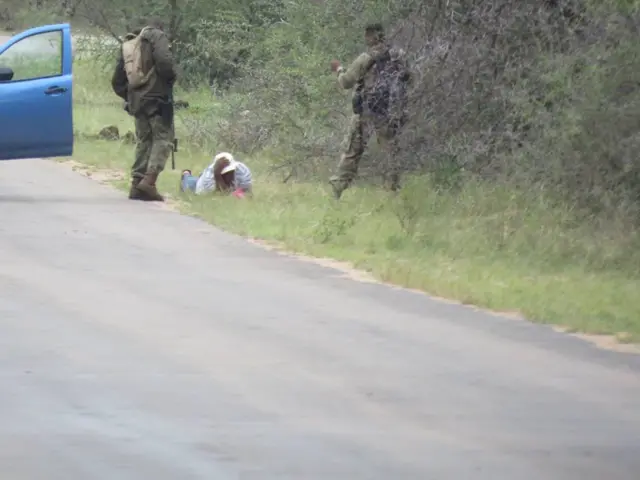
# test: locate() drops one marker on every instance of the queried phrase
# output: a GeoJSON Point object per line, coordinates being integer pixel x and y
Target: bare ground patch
{"type": "Point", "coordinates": [616, 343]}
{"type": "Point", "coordinates": [106, 176]}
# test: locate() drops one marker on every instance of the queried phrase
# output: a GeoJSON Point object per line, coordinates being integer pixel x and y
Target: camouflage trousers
{"type": "Point", "coordinates": [360, 132]}
{"type": "Point", "coordinates": [155, 143]}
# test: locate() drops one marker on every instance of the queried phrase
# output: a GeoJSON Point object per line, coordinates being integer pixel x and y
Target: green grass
{"type": "Point", "coordinates": [27, 67]}
{"type": "Point", "coordinates": [489, 246]}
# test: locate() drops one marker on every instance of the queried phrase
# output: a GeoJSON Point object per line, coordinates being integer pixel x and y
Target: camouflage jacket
{"type": "Point", "coordinates": [359, 69]}
{"type": "Point", "coordinates": [156, 53]}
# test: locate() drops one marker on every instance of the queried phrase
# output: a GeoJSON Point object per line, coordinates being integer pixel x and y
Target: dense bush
{"type": "Point", "coordinates": [532, 92]}
{"type": "Point", "coordinates": [528, 92]}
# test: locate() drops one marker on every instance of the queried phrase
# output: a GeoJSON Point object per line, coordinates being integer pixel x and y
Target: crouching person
{"type": "Point", "coordinates": [224, 175]}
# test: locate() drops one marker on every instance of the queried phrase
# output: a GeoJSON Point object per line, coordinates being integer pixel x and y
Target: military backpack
{"type": "Point", "coordinates": [386, 96]}
{"type": "Point", "coordinates": [132, 53]}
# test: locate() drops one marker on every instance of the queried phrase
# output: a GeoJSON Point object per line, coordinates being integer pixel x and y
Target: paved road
{"type": "Point", "coordinates": [136, 343]}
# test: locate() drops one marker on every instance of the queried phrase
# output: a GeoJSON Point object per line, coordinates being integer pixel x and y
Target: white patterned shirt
{"type": "Point", "coordinates": [242, 178]}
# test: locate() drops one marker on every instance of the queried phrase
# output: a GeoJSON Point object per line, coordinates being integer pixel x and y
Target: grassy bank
{"type": "Point", "coordinates": [487, 245]}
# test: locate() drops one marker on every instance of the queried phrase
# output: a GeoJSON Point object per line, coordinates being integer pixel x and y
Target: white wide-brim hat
{"type": "Point", "coordinates": [232, 162]}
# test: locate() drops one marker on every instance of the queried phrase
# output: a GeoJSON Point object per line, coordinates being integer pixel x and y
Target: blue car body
{"type": "Point", "coordinates": [36, 114]}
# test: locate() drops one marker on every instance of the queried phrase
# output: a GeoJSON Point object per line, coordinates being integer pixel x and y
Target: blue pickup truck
{"type": "Point", "coordinates": [36, 94]}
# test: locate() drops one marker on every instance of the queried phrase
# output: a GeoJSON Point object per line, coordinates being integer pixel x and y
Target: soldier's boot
{"type": "Point", "coordinates": [337, 187]}
{"type": "Point", "coordinates": [337, 191]}
{"type": "Point", "coordinates": [148, 189]}
{"type": "Point", "coordinates": [392, 183]}
{"type": "Point", "coordinates": [134, 193]}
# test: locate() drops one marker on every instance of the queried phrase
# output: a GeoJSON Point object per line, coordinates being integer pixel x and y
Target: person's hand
{"type": "Point", "coordinates": [335, 65]}
{"type": "Point", "coordinates": [238, 193]}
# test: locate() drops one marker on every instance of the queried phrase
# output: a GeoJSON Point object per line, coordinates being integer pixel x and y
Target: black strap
{"type": "Point", "coordinates": [386, 56]}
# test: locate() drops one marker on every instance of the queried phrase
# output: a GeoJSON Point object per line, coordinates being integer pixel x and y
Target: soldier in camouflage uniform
{"type": "Point", "coordinates": [152, 109]}
{"type": "Point", "coordinates": [364, 124]}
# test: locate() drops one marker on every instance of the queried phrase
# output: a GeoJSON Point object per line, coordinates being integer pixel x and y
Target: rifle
{"type": "Point", "coordinates": [174, 148]}
{"type": "Point", "coordinates": [173, 153]}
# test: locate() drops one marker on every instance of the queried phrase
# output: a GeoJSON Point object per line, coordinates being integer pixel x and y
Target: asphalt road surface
{"type": "Point", "coordinates": [136, 343]}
